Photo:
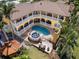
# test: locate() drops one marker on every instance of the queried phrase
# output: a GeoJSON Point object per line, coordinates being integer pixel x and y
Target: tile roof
{"type": "Point", "coordinates": [53, 7]}
{"type": "Point", "coordinates": [11, 46]}
{"type": "Point", "coordinates": [15, 45]}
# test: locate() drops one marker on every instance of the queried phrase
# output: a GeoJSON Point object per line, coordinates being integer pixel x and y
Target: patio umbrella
{"type": "Point", "coordinates": [11, 48]}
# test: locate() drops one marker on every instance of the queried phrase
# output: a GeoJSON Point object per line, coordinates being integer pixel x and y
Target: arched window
{"type": "Point", "coordinates": [42, 20]}
{"type": "Point", "coordinates": [26, 24]}
{"type": "Point", "coordinates": [36, 12]}
{"type": "Point", "coordinates": [30, 14]}
{"type": "Point", "coordinates": [20, 28]}
{"type": "Point", "coordinates": [48, 22]}
{"type": "Point", "coordinates": [31, 21]}
{"type": "Point", "coordinates": [18, 20]}
{"type": "Point", "coordinates": [36, 20]}
{"type": "Point", "coordinates": [24, 17]}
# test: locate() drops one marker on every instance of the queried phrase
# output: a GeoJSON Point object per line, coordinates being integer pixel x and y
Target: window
{"type": "Point", "coordinates": [36, 20]}
{"type": "Point", "coordinates": [31, 21]}
{"type": "Point", "coordinates": [49, 14]}
{"type": "Point", "coordinates": [42, 20]}
{"type": "Point", "coordinates": [24, 17]}
{"type": "Point", "coordinates": [20, 28]}
{"type": "Point", "coordinates": [43, 12]}
{"type": "Point", "coordinates": [61, 17]}
{"type": "Point", "coordinates": [30, 14]}
{"type": "Point", "coordinates": [18, 20]}
{"type": "Point", "coordinates": [26, 24]}
{"type": "Point", "coordinates": [36, 12]}
{"type": "Point", "coordinates": [48, 22]}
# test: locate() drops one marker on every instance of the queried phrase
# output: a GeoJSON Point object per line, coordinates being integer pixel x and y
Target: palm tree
{"type": "Point", "coordinates": [70, 35]}
{"type": "Point", "coordinates": [68, 40]}
{"type": "Point", "coordinates": [5, 10]}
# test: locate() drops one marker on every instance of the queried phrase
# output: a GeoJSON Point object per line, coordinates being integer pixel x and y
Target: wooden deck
{"type": "Point", "coordinates": [54, 40]}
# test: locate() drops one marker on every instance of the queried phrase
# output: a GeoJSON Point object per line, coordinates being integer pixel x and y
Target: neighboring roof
{"type": "Point", "coordinates": [53, 7]}
{"type": "Point", "coordinates": [11, 46]}
{"type": "Point", "coordinates": [15, 45]}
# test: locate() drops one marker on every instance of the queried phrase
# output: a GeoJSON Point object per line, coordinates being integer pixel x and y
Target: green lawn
{"type": "Point", "coordinates": [34, 53]}
{"type": "Point", "coordinates": [76, 51]}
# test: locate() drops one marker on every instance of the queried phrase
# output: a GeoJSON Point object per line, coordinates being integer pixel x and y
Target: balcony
{"type": "Point", "coordinates": [36, 16]}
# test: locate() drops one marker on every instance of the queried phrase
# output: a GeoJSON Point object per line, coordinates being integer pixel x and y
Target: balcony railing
{"type": "Point", "coordinates": [36, 16]}
{"type": "Point", "coordinates": [30, 25]}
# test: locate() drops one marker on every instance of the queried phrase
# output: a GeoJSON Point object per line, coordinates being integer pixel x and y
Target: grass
{"type": "Point", "coordinates": [76, 51]}
{"type": "Point", "coordinates": [34, 53]}
{"type": "Point", "coordinates": [22, 56]}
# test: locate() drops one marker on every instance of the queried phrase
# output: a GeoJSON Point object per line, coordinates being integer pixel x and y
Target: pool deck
{"type": "Point", "coordinates": [54, 35]}
{"type": "Point", "coordinates": [53, 39]}
{"type": "Point", "coordinates": [52, 55]}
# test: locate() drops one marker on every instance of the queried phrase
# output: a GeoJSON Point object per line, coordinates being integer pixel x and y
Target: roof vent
{"type": "Point", "coordinates": [41, 3]}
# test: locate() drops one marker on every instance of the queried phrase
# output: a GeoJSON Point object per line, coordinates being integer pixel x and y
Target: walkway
{"type": "Point", "coordinates": [54, 55]}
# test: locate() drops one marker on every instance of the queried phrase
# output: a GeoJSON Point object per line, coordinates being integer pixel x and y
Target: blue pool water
{"type": "Point", "coordinates": [41, 29]}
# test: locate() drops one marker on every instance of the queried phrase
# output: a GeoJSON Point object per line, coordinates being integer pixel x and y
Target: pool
{"type": "Point", "coordinates": [41, 29]}
{"type": "Point", "coordinates": [34, 36]}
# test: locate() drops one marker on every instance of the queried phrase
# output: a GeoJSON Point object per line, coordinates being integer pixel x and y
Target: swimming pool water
{"type": "Point", "coordinates": [41, 29]}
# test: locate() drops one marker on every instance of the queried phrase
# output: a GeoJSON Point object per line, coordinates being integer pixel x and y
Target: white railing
{"type": "Point", "coordinates": [36, 16]}
{"type": "Point", "coordinates": [25, 29]}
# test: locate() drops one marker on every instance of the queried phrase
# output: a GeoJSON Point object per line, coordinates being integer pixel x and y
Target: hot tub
{"type": "Point", "coordinates": [34, 36]}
